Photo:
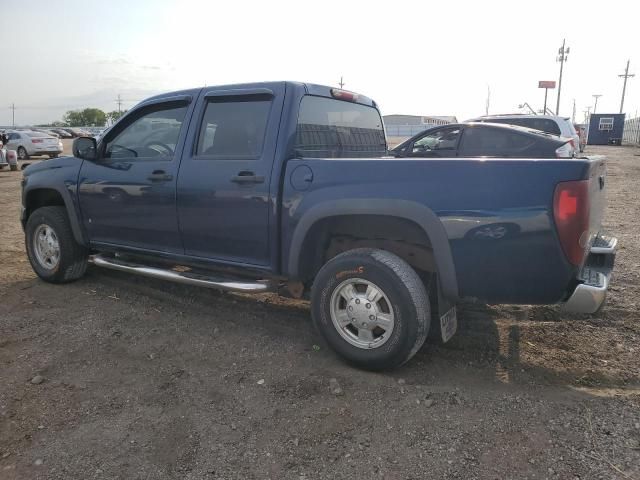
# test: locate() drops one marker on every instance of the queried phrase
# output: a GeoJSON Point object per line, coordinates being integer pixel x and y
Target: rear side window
{"type": "Point", "coordinates": [233, 127]}
{"type": "Point", "coordinates": [544, 124]}
{"type": "Point", "coordinates": [338, 129]}
{"type": "Point", "coordinates": [495, 142]}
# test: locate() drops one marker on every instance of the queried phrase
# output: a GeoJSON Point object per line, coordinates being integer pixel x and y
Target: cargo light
{"type": "Point", "coordinates": [571, 215]}
{"type": "Point", "coordinates": [344, 95]}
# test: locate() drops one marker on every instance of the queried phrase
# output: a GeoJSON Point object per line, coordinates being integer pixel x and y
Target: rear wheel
{"type": "Point", "coordinates": [55, 155]}
{"type": "Point", "coordinates": [371, 307]}
{"type": "Point", "coordinates": [53, 252]}
{"type": "Point", "coordinates": [13, 167]}
{"type": "Point", "coordinates": [22, 153]}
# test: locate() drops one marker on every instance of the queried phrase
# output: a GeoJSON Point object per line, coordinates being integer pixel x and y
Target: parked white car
{"type": "Point", "coordinates": [28, 143]}
{"type": "Point", "coordinates": [552, 124]}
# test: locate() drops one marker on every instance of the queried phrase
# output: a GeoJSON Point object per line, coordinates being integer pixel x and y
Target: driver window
{"type": "Point", "coordinates": [446, 139]}
{"type": "Point", "coordinates": [152, 135]}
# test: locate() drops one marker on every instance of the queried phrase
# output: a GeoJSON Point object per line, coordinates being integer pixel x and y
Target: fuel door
{"type": "Point", "coordinates": [301, 178]}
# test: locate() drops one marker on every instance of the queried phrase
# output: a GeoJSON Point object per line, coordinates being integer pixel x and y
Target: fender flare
{"type": "Point", "coordinates": [69, 205]}
{"type": "Point", "coordinates": [405, 209]}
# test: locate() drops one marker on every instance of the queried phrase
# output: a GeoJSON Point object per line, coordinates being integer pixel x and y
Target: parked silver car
{"type": "Point", "coordinates": [28, 143]}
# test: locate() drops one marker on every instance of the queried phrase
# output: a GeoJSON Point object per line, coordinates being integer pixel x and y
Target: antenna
{"type": "Point", "coordinates": [341, 82]}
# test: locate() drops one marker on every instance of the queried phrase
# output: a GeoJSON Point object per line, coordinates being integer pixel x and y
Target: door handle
{"type": "Point", "coordinates": [159, 176]}
{"type": "Point", "coordinates": [247, 177]}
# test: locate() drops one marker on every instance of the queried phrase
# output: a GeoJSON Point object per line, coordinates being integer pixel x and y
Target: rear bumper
{"type": "Point", "coordinates": [591, 292]}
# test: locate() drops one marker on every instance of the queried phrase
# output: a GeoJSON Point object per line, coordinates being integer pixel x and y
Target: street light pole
{"type": "Point", "coordinates": [624, 86]}
{"type": "Point", "coordinates": [562, 57]}
{"type": "Point", "coordinates": [595, 106]}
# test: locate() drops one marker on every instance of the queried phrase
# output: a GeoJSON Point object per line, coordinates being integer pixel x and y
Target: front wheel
{"type": "Point", "coordinates": [53, 252]}
{"type": "Point", "coordinates": [371, 307]}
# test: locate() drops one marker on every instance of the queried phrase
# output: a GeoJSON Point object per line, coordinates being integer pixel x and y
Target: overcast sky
{"type": "Point", "coordinates": [423, 57]}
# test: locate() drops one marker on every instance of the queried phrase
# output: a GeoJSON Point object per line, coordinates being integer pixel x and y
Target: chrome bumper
{"type": "Point", "coordinates": [591, 293]}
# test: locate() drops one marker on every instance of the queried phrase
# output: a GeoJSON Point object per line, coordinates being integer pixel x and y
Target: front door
{"type": "Point", "coordinates": [224, 198]}
{"type": "Point", "coordinates": [128, 195]}
{"type": "Point", "coordinates": [441, 142]}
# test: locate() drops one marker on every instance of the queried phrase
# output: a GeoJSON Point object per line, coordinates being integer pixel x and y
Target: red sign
{"type": "Point", "coordinates": [547, 84]}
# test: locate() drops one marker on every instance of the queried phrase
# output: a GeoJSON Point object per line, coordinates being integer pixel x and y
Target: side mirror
{"type": "Point", "coordinates": [85, 148]}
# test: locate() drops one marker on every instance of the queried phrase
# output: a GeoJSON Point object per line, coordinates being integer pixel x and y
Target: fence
{"type": "Point", "coordinates": [631, 135]}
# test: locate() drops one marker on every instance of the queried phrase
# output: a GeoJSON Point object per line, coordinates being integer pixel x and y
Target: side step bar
{"type": "Point", "coordinates": [188, 278]}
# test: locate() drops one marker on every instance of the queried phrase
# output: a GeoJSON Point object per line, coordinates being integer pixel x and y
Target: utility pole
{"type": "Point", "coordinates": [573, 116]}
{"type": "Point", "coordinates": [624, 86]}
{"type": "Point", "coordinates": [587, 114]}
{"type": "Point", "coordinates": [13, 114]}
{"type": "Point", "coordinates": [486, 107]}
{"type": "Point", "coordinates": [119, 102]}
{"type": "Point", "coordinates": [595, 107]}
{"type": "Point", "coordinates": [341, 82]}
{"type": "Point", "coordinates": [562, 57]}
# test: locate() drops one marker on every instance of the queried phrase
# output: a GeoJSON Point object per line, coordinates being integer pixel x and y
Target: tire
{"type": "Point", "coordinates": [14, 167]}
{"type": "Point", "coordinates": [404, 298]}
{"type": "Point", "coordinates": [22, 154]}
{"type": "Point", "coordinates": [72, 258]}
{"type": "Point", "coordinates": [55, 155]}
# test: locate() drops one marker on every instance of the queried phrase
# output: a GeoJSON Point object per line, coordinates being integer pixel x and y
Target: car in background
{"type": "Point", "coordinates": [28, 143]}
{"type": "Point", "coordinates": [76, 132]}
{"type": "Point", "coordinates": [561, 126]}
{"type": "Point", "coordinates": [62, 133]}
{"type": "Point", "coordinates": [479, 139]}
{"type": "Point", "coordinates": [46, 132]}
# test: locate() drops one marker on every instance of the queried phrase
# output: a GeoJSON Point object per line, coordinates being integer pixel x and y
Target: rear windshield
{"type": "Point", "coordinates": [338, 129]}
{"type": "Point", "coordinates": [545, 124]}
{"type": "Point", "coordinates": [37, 134]}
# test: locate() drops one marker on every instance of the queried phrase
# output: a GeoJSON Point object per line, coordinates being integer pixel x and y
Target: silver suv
{"type": "Point", "coordinates": [561, 126]}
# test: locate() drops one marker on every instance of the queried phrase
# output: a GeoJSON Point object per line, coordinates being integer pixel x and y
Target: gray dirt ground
{"type": "Point", "coordinates": [150, 380]}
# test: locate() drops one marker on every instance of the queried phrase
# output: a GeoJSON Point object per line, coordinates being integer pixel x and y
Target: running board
{"type": "Point", "coordinates": [188, 278]}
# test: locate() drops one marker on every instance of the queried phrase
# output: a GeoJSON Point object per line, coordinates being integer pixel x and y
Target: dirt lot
{"type": "Point", "coordinates": [150, 380]}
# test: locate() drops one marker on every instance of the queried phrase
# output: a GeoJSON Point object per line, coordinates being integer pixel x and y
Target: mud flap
{"type": "Point", "coordinates": [444, 319]}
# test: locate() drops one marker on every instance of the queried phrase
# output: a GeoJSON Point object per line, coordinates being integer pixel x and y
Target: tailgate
{"type": "Point", "coordinates": [597, 194]}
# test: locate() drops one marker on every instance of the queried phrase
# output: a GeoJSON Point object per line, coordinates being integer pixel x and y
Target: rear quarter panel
{"type": "Point", "coordinates": [497, 214]}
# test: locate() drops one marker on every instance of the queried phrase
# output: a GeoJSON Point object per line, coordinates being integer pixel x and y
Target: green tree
{"type": "Point", "coordinates": [89, 117]}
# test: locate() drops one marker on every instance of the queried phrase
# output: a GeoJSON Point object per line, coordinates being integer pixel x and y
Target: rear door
{"type": "Point", "coordinates": [128, 195]}
{"type": "Point", "coordinates": [487, 141]}
{"type": "Point", "coordinates": [224, 201]}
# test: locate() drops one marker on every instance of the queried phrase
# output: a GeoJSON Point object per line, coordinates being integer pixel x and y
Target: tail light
{"type": "Point", "coordinates": [565, 151]}
{"type": "Point", "coordinates": [571, 214]}
{"type": "Point", "coordinates": [36, 140]}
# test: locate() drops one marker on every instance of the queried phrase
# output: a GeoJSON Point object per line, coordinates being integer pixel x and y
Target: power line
{"type": "Point", "coordinates": [562, 57]}
{"type": "Point", "coordinates": [119, 102]}
{"type": "Point", "coordinates": [625, 75]}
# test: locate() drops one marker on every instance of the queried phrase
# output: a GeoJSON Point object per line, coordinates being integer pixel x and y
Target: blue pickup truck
{"type": "Point", "coordinates": [288, 187]}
